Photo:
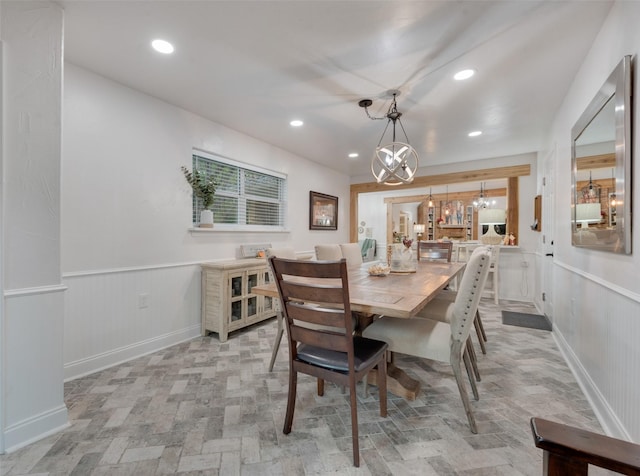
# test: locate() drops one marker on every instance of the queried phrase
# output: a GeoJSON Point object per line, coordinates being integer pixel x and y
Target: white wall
{"type": "Point", "coordinates": [126, 214]}
{"type": "Point", "coordinates": [516, 282]}
{"type": "Point", "coordinates": [597, 294]}
{"type": "Point", "coordinates": [31, 320]}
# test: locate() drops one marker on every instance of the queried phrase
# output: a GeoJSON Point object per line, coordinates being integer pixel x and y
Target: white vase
{"type": "Point", "coordinates": [206, 219]}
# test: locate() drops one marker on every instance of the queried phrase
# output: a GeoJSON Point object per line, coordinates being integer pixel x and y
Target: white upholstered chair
{"type": "Point", "coordinates": [437, 310]}
{"type": "Point", "coordinates": [352, 253]}
{"type": "Point", "coordinates": [442, 341]}
{"type": "Point", "coordinates": [328, 252]}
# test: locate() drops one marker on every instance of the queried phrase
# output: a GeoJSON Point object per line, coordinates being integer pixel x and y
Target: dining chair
{"type": "Point", "coordinates": [435, 250]}
{"type": "Point", "coordinates": [317, 292]}
{"type": "Point", "coordinates": [442, 341]}
{"type": "Point", "coordinates": [352, 253]}
{"type": "Point", "coordinates": [328, 252]}
{"type": "Point", "coordinates": [287, 253]}
{"type": "Point", "coordinates": [437, 309]}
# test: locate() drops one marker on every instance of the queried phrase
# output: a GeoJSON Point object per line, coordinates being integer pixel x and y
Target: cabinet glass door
{"type": "Point", "coordinates": [252, 280]}
{"type": "Point", "coordinates": [252, 307]}
{"type": "Point", "coordinates": [236, 310]}
{"type": "Point", "coordinates": [236, 286]}
{"type": "Point", "coordinates": [268, 304]}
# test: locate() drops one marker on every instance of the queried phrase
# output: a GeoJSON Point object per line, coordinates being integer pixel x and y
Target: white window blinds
{"type": "Point", "coordinates": [246, 196]}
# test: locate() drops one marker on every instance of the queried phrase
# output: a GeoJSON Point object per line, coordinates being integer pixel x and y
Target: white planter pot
{"type": "Point", "coordinates": [206, 219]}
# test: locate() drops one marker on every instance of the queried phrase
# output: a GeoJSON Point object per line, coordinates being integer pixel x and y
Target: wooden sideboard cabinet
{"type": "Point", "coordinates": [227, 301]}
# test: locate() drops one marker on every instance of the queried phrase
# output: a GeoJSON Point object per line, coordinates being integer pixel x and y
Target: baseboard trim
{"type": "Point", "coordinates": [95, 363]}
{"type": "Point", "coordinates": [610, 423]}
{"type": "Point", "coordinates": [36, 428]}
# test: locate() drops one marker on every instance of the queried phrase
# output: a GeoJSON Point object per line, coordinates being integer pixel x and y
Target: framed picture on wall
{"type": "Point", "coordinates": [323, 211]}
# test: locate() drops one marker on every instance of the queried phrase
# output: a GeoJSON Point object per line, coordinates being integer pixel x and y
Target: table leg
{"type": "Point", "coordinates": [398, 382]}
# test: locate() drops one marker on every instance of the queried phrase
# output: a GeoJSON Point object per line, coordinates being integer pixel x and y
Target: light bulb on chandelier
{"type": "Point", "coordinates": [396, 162]}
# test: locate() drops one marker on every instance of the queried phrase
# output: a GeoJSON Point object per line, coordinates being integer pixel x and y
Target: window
{"type": "Point", "coordinates": [247, 198]}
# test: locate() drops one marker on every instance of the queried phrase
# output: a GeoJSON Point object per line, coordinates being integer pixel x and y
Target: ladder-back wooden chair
{"type": "Point", "coordinates": [317, 293]}
{"type": "Point", "coordinates": [435, 250]}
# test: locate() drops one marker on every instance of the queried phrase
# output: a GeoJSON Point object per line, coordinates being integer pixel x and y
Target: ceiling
{"type": "Point", "coordinates": [256, 65]}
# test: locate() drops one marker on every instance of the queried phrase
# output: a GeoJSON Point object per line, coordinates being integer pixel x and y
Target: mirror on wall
{"type": "Point", "coordinates": [601, 165]}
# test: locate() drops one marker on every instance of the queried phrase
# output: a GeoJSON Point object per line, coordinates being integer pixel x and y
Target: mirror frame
{"type": "Point", "coordinates": [618, 87]}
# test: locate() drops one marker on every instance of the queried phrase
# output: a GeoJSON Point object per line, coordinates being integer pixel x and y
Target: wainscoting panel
{"type": "Point", "coordinates": [32, 343]}
{"type": "Point", "coordinates": [597, 327]}
{"type": "Point", "coordinates": [516, 282]}
{"type": "Point", "coordinates": [115, 316]}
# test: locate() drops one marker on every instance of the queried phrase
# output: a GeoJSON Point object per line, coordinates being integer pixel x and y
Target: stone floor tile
{"type": "Point", "coordinates": [208, 408]}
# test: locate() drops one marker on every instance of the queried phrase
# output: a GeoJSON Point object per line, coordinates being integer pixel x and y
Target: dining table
{"type": "Point", "coordinates": [401, 295]}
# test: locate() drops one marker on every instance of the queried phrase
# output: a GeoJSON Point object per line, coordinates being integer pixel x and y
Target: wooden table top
{"type": "Point", "coordinates": [398, 295]}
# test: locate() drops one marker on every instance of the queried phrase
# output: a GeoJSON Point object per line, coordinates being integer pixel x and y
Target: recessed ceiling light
{"type": "Point", "coordinates": [296, 123]}
{"type": "Point", "coordinates": [475, 133]}
{"type": "Point", "coordinates": [464, 74]}
{"type": "Point", "coordinates": [353, 155]}
{"type": "Point", "coordinates": [162, 46]}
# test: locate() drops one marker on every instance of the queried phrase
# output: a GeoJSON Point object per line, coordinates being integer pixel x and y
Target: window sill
{"type": "Point", "coordinates": [237, 229]}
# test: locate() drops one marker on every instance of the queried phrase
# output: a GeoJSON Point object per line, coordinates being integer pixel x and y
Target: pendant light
{"type": "Point", "coordinates": [591, 192]}
{"type": "Point", "coordinates": [447, 209]}
{"type": "Point", "coordinates": [395, 162]}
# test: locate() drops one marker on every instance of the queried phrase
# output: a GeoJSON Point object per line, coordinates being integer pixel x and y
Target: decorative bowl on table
{"type": "Point", "coordinates": [378, 270]}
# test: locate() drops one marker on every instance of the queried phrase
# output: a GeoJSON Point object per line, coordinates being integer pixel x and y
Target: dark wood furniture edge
{"type": "Point", "coordinates": [568, 450]}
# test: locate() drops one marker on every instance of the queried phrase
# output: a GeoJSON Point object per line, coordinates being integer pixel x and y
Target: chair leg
{"type": "Point", "coordinates": [320, 387]}
{"type": "Point", "coordinates": [473, 358]}
{"type": "Point", "coordinates": [481, 340]}
{"type": "Point", "coordinates": [354, 420]}
{"type": "Point", "coordinates": [291, 401]}
{"type": "Point", "coordinates": [469, 369]}
{"type": "Point", "coordinates": [382, 386]}
{"type": "Point", "coordinates": [457, 372]}
{"type": "Point", "coordinates": [484, 336]}
{"type": "Point", "coordinates": [276, 344]}
{"type": "Point", "coordinates": [365, 383]}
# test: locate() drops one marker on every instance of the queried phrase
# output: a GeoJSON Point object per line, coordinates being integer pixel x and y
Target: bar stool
{"type": "Point", "coordinates": [493, 274]}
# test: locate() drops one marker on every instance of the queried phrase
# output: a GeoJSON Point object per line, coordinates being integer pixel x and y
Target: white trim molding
{"type": "Point", "coordinates": [98, 362]}
{"type": "Point", "coordinates": [605, 284]}
{"type": "Point", "coordinates": [57, 288]}
{"type": "Point", "coordinates": [47, 423]}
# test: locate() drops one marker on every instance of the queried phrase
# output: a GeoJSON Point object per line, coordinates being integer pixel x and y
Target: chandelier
{"type": "Point", "coordinates": [591, 192]}
{"type": "Point", "coordinates": [482, 201]}
{"type": "Point", "coordinates": [395, 162]}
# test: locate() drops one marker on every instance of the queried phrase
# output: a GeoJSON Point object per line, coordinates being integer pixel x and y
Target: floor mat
{"type": "Point", "coordinates": [523, 319]}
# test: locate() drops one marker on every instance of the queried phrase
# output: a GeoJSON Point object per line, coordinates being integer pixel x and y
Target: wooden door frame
{"type": "Point", "coordinates": [511, 173]}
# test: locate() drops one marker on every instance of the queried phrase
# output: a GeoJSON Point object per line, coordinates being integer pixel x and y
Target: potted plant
{"type": "Point", "coordinates": [204, 188]}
